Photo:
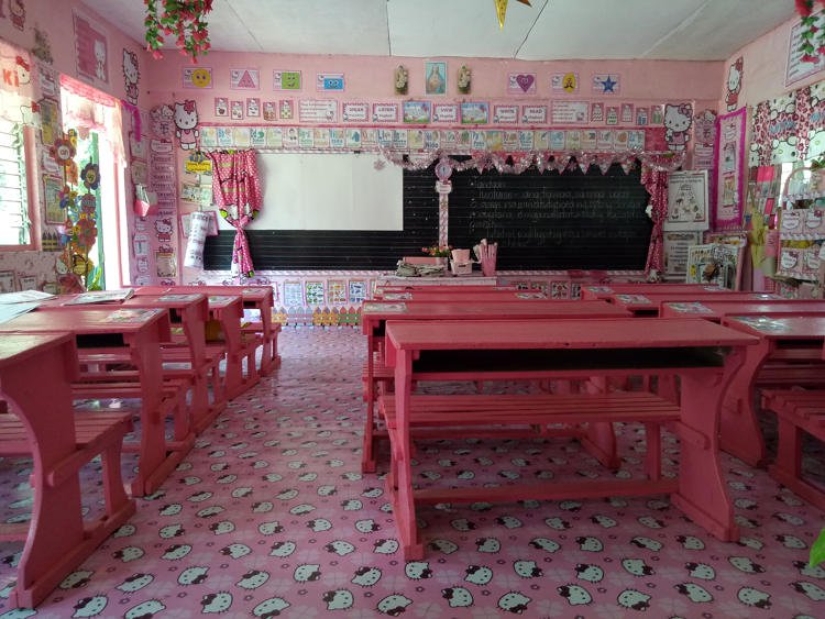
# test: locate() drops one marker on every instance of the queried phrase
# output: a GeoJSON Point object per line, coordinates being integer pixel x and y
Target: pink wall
{"type": "Point", "coordinates": [370, 79]}
{"type": "Point", "coordinates": [765, 61]}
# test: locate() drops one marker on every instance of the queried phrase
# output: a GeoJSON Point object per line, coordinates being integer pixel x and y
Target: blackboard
{"type": "Point", "coordinates": [554, 221]}
{"type": "Point", "coordinates": [540, 220]}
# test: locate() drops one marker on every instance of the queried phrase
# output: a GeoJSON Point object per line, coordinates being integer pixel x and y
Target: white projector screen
{"type": "Point", "coordinates": [328, 192]}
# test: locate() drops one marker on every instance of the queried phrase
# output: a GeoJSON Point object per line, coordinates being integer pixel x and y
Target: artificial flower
{"type": "Point", "coordinates": [91, 176]}
{"type": "Point", "coordinates": [438, 251]}
{"type": "Point", "coordinates": [184, 18]}
{"type": "Point", "coordinates": [63, 151]}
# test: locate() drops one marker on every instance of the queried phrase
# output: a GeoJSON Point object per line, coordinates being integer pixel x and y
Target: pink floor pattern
{"type": "Point", "coordinates": [270, 516]}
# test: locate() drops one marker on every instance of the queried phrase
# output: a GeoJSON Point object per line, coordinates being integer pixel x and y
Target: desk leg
{"type": "Point", "coordinates": [702, 495]}
{"type": "Point", "coordinates": [368, 464]}
{"type": "Point", "coordinates": [400, 481]}
{"type": "Point", "coordinates": [740, 434]}
{"type": "Point", "coordinates": [56, 541]}
{"type": "Point", "coordinates": [152, 451]}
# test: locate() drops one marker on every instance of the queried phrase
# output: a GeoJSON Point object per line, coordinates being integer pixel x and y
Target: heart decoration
{"type": "Point", "coordinates": [525, 81]}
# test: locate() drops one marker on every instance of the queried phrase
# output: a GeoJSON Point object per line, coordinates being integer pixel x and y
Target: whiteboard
{"type": "Point", "coordinates": [328, 192]}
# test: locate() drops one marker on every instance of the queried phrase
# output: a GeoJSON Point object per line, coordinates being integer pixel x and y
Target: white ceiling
{"type": "Point", "coordinates": [547, 30]}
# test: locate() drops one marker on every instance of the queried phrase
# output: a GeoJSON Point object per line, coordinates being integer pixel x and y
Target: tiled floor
{"type": "Point", "coordinates": [270, 514]}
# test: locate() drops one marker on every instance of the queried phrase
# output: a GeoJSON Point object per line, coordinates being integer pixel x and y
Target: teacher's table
{"type": "Point", "coordinates": [549, 349]}
{"type": "Point", "coordinates": [606, 291]}
{"type": "Point", "coordinates": [379, 292]}
{"type": "Point", "coordinates": [716, 310]}
{"type": "Point", "coordinates": [374, 315]}
{"type": "Point", "coordinates": [510, 296]}
{"type": "Point", "coordinates": [791, 339]}
{"type": "Point", "coordinates": [648, 304]}
{"type": "Point", "coordinates": [36, 370]}
{"type": "Point", "coordinates": [141, 331]}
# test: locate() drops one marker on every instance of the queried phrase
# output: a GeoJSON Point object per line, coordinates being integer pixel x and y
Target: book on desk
{"type": "Point", "coordinates": [102, 296]}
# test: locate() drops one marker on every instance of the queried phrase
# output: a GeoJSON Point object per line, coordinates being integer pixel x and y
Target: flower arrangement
{"type": "Point", "coordinates": [438, 251]}
{"type": "Point", "coordinates": [812, 37]}
{"type": "Point", "coordinates": [185, 18]}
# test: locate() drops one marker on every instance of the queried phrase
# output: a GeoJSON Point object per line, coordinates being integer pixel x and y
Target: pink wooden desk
{"type": "Point", "coordinates": [375, 314]}
{"type": "Point", "coordinates": [261, 299]}
{"type": "Point", "coordinates": [518, 349]}
{"type": "Point", "coordinates": [606, 291]}
{"type": "Point", "coordinates": [781, 338]}
{"type": "Point", "coordinates": [648, 304]}
{"type": "Point", "coordinates": [434, 294]}
{"type": "Point", "coordinates": [715, 310]}
{"type": "Point", "coordinates": [57, 539]}
{"type": "Point", "coordinates": [228, 311]}
{"type": "Point", "coordinates": [140, 330]}
{"type": "Point", "coordinates": [190, 312]}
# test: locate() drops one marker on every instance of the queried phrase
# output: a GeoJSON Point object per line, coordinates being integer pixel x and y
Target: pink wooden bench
{"type": "Point", "coordinates": [798, 412]}
{"type": "Point", "coordinates": [36, 420]}
{"type": "Point", "coordinates": [496, 415]}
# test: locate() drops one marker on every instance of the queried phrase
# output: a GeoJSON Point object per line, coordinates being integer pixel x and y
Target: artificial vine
{"type": "Point", "coordinates": [184, 18]}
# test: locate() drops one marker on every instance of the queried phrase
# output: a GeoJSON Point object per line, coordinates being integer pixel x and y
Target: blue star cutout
{"type": "Point", "coordinates": [609, 84]}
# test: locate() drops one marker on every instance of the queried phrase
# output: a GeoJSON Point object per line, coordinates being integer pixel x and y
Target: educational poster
{"type": "Point", "coordinates": [569, 112]}
{"type": "Point", "coordinates": [293, 294]}
{"type": "Point", "coordinates": [245, 79]}
{"type": "Point", "coordinates": [687, 201]}
{"type": "Point", "coordinates": [797, 67]}
{"type": "Point", "coordinates": [675, 249]}
{"type": "Point", "coordinates": [715, 264]}
{"type": "Point", "coordinates": [336, 292]}
{"type": "Point", "coordinates": [315, 293]}
{"type": "Point", "coordinates": [357, 290]}
{"type": "Point", "coordinates": [52, 186]}
{"type": "Point", "coordinates": [729, 160]}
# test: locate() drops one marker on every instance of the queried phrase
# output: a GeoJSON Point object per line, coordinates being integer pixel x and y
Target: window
{"type": "Point", "coordinates": [15, 221]}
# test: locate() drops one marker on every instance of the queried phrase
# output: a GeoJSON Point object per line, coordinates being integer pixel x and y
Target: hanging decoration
{"type": "Point", "coordinates": [76, 271]}
{"type": "Point", "coordinates": [184, 18]}
{"type": "Point", "coordinates": [518, 162]}
{"type": "Point", "coordinates": [501, 10]}
{"type": "Point", "coordinates": [812, 37]}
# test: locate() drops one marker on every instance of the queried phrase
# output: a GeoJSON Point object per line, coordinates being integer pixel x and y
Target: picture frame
{"type": "Point", "coordinates": [213, 224]}
{"type": "Point", "coordinates": [221, 107]}
{"type": "Point", "coordinates": [6, 281]}
{"type": "Point", "coordinates": [435, 77]}
{"type": "Point", "coordinates": [253, 107]}
{"type": "Point", "coordinates": [52, 186]}
{"type": "Point", "coordinates": [27, 282]}
{"type": "Point", "coordinates": [687, 201]}
{"type": "Point", "coordinates": [236, 110]}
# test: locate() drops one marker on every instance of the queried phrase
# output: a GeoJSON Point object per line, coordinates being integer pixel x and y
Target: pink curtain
{"type": "Point", "coordinates": [656, 182]}
{"type": "Point", "coordinates": [236, 191]}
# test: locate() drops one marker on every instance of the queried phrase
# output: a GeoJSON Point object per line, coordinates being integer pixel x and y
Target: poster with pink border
{"type": "Point", "coordinates": [729, 162]}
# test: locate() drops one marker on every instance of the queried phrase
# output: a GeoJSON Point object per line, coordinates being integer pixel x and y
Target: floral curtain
{"type": "Point", "coordinates": [789, 128]}
{"type": "Point", "coordinates": [237, 192]}
{"type": "Point", "coordinates": [655, 180]}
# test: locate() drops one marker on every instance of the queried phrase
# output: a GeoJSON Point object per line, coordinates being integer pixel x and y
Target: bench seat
{"type": "Point", "coordinates": [96, 434]}
{"type": "Point", "coordinates": [537, 414]}
{"type": "Point", "coordinates": [789, 375]}
{"type": "Point", "coordinates": [798, 412]}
